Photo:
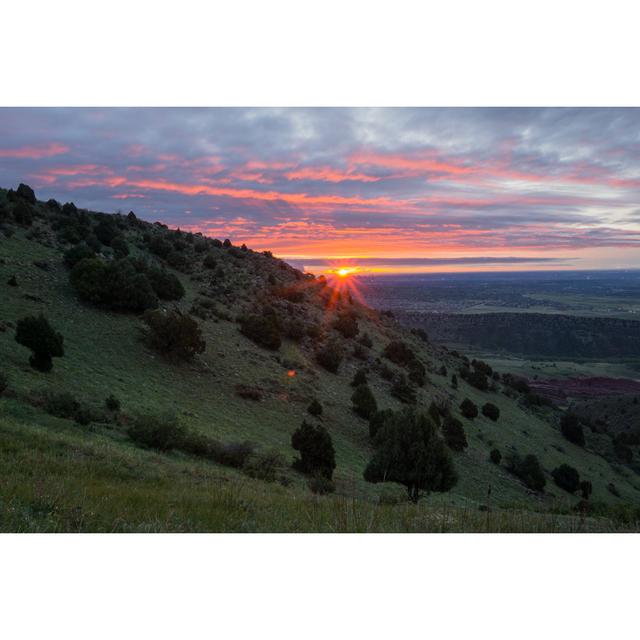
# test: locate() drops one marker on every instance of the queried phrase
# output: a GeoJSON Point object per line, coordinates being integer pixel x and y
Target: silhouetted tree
{"type": "Point", "coordinates": [468, 409]}
{"type": "Point", "coordinates": [317, 455]}
{"type": "Point", "coordinates": [364, 402]}
{"type": "Point", "coordinates": [36, 334]}
{"type": "Point", "coordinates": [173, 334]}
{"type": "Point", "coordinates": [567, 478]}
{"type": "Point", "coordinates": [491, 411]}
{"type": "Point", "coordinates": [572, 429]}
{"type": "Point", "coordinates": [454, 434]}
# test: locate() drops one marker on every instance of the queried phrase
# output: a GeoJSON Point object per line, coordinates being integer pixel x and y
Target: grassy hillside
{"type": "Point", "coordinates": [58, 475]}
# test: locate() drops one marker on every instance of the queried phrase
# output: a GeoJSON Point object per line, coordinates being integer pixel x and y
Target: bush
{"type": "Point", "coordinates": [572, 429]}
{"type": "Point", "coordinates": [491, 411]}
{"type": "Point", "coordinates": [364, 402]}
{"type": "Point", "coordinates": [160, 247]}
{"type": "Point", "coordinates": [320, 485]}
{"type": "Point", "coordinates": [166, 285]}
{"type": "Point", "coordinates": [177, 260]}
{"type": "Point", "coordinates": [454, 381]}
{"type": "Point", "coordinates": [317, 455]}
{"type": "Point", "coordinates": [112, 403]}
{"type": "Point", "coordinates": [495, 456]}
{"type": "Point", "coordinates": [77, 253]}
{"type": "Point", "coordinates": [586, 489]}
{"type": "Point", "coordinates": [434, 413]}
{"type": "Point", "coordinates": [173, 334]}
{"type": "Point", "coordinates": [23, 214]}
{"type": "Point", "coordinates": [378, 420]}
{"type": "Point", "coordinates": [210, 261]}
{"type": "Point", "coordinates": [106, 230]}
{"type": "Point", "coordinates": [315, 408]}
{"type": "Point", "coordinates": [347, 325]}
{"type": "Point", "coordinates": [25, 192]}
{"type": "Point", "coordinates": [248, 392]}
{"type": "Point", "coordinates": [454, 434]}
{"type": "Point", "coordinates": [516, 382]}
{"type": "Point", "coordinates": [62, 405]}
{"type": "Point", "coordinates": [330, 357]}
{"type": "Point", "coordinates": [4, 383]}
{"type": "Point", "coordinates": [117, 285]}
{"type": "Point", "coordinates": [264, 466]}
{"type": "Point", "coordinates": [36, 334]}
{"type": "Point", "coordinates": [120, 247]}
{"type": "Point", "coordinates": [263, 329]}
{"type": "Point", "coordinates": [163, 433]}
{"type": "Point", "coordinates": [409, 451]}
{"type": "Point", "coordinates": [468, 409]}
{"type": "Point", "coordinates": [399, 353]}
{"type": "Point", "coordinates": [483, 367]}
{"type": "Point", "coordinates": [402, 390]}
{"type": "Point", "coordinates": [360, 377]}
{"type": "Point", "coordinates": [566, 478]}
{"type": "Point", "coordinates": [478, 380]}
{"type": "Point", "coordinates": [365, 341]}
{"type": "Point", "coordinates": [417, 372]}
{"type": "Point", "coordinates": [529, 470]}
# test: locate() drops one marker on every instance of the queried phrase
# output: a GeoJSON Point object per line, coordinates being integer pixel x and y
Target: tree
{"type": "Point", "coordinates": [317, 455]}
{"type": "Point", "coordinates": [347, 325]}
{"type": "Point", "coordinates": [409, 451]}
{"type": "Point", "coordinates": [315, 408]}
{"type": "Point", "coordinates": [586, 489]}
{"type": "Point", "coordinates": [360, 377]}
{"type": "Point", "coordinates": [330, 357]}
{"type": "Point", "coordinates": [478, 379]}
{"type": "Point", "coordinates": [76, 253]}
{"type": "Point", "coordinates": [23, 213]}
{"type": "Point", "coordinates": [567, 478]}
{"type": "Point", "coordinates": [529, 470]}
{"type": "Point", "coordinates": [495, 456]}
{"type": "Point", "coordinates": [364, 402]}
{"type": "Point", "coordinates": [263, 329]}
{"type": "Point", "coordinates": [399, 353]}
{"type": "Point", "coordinates": [490, 411]}
{"type": "Point", "coordinates": [25, 192]}
{"type": "Point", "coordinates": [572, 429]}
{"type": "Point", "coordinates": [377, 421]}
{"type": "Point", "coordinates": [166, 285]}
{"type": "Point", "coordinates": [468, 409]}
{"type": "Point", "coordinates": [173, 334]}
{"type": "Point", "coordinates": [36, 334]}
{"type": "Point", "coordinates": [454, 434]}
{"type": "Point", "coordinates": [402, 390]}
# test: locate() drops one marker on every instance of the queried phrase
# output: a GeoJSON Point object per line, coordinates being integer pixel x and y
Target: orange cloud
{"type": "Point", "coordinates": [35, 152]}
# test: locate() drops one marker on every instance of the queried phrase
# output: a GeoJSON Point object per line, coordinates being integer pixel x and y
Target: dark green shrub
{"type": "Point", "coordinates": [409, 451]}
{"type": "Point", "coordinates": [227, 243]}
{"type": "Point", "coordinates": [365, 341]}
{"type": "Point", "coordinates": [364, 402]}
{"type": "Point", "coordinates": [386, 372]}
{"type": "Point", "coordinates": [321, 485]}
{"type": "Point", "coordinates": [434, 413]}
{"type": "Point", "coordinates": [177, 260]}
{"type": "Point", "coordinates": [36, 334]}
{"type": "Point", "coordinates": [263, 329]}
{"type": "Point", "coordinates": [166, 285]}
{"type": "Point", "coordinates": [247, 392]}
{"type": "Point", "coordinates": [25, 192]}
{"type": "Point", "coordinates": [613, 490]}
{"type": "Point", "coordinates": [120, 247]}
{"type": "Point", "coordinates": [61, 405]}
{"type": "Point", "coordinates": [23, 214]}
{"type": "Point", "coordinates": [566, 477]}
{"type": "Point", "coordinates": [330, 357]}
{"type": "Point", "coordinates": [173, 334]}
{"type": "Point", "coordinates": [69, 209]}
{"type": "Point", "coordinates": [160, 247]}
{"type": "Point", "coordinates": [360, 377]}
{"type": "Point", "coordinates": [106, 230]}
{"type": "Point", "coordinates": [468, 409]}
{"type": "Point", "coordinates": [112, 403]}
{"type": "Point", "coordinates": [495, 456]}
{"type": "Point", "coordinates": [491, 411]}
{"type": "Point", "coordinates": [4, 383]}
{"type": "Point", "coordinates": [516, 382]}
{"type": "Point", "coordinates": [454, 434]}
{"type": "Point", "coordinates": [586, 489]}
{"type": "Point", "coordinates": [54, 205]}
{"type": "Point", "coordinates": [377, 421]}
{"type": "Point", "coordinates": [264, 466]}
{"type": "Point", "coordinates": [399, 353]}
{"type": "Point", "coordinates": [454, 381]}
{"type": "Point", "coordinates": [529, 470]}
{"type": "Point", "coordinates": [317, 455]}
{"type": "Point", "coordinates": [163, 433]}
{"type": "Point", "coordinates": [402, 390]}
{"type": "Point", "coordinates": [477, 379]}
{"type": "Point", "coordinates": [572, 429]}
{"type": "Point", "coordinates": [76, 253]}
{"type": "Point", "coordinates": [483, 367]}
{"type": "Point", "coordinates": [347, 325]}
{"type": "Point", "coordinates": [315, 408]}
{"type": "Point", "coordinates": [417, 372]}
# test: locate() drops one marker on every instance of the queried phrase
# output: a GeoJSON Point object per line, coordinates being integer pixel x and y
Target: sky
{"type": "Point", "coordinates": [379, 190]}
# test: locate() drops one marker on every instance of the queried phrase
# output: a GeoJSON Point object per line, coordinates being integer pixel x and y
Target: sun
{"type": "Point", "coordinates": [343, 272]}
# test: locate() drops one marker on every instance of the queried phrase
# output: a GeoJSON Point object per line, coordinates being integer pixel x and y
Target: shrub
{"type": "Point", "coordinates": [567, 478]}
{"type": "Point", "coordinates": [516, 382]}
{"type": "Point", "coordinates": [483, 367]}
{"type": "Point", "coordinates": [263, 329]}
{"type": "Point", "coordinates": [586, 489]}
{"type": "Point", "coordinates": [317, 455]}
{"type": "Point", "coordinates": [402, 390]}
{"type": "Point", "coordinates": [434, 413]}
{"type": "Point", "coordinates": [61, 405]}
{"type": "Point", "coordinates": [264, 466]}
{"type": "Point", "coordinates": [23, 214]}
{"type": "Point", "coordinates": [173, 334]}
{"type": "Point", "coordinates": [478, 380]}
{"type": "Point", "coordinates": [347, 325]}
{"type": "Point", "coordinates": [120, 247]}
{"type": "Point", "coordinates": [365, 341]}
{"type": "Point", "coordinates": [315, 408]}
{"type": "Point", "coordinates": [364, 402]}
{"type": "Point", "coordinates": [295, 329]}
{"type": "Point", "coordinates": [360, 377]}
{"type": "Point", "coordinates": [417, 372]}
{"type": "Point", "coordinates": [177, 260]}
{"type": "Point", "coordinates": [106, 230]}
{"type": "Point", "coordinates": [572, 429]}
{"type": "Point", "coordinates": [454, 434]}
{"type": "Point", "coordinates": [409, 451]}
{"type": "Point", "coordinates": [25, 192]}
{"type": "Point", "coordinates": [490, 411]}
{"type": "Point", "coordinates": [529, 470]}
{"type": "Point", "coordinates": [377, 421]}
{"type": "Point", "coordinates": [160, 247]}
{"type": "Point", "coordinates": [36, 334]}
{"type": "Point", "coordinates": [320, 485]}
{"type": "Point", "coordinates": [4, 383]}
{"type": "Point", "coordinates": [248, 393]}
{"type": "Point", "coordinates": [495, 456]}
{"type": "Point", "coordinates": [235, 454]}
{"type": "Point", "coordinates": [76, 253]}
{"type": "Point", "coordinates": [330, 357]}
{"type": "Point", "coordinates": [454, 381]}
{"type": "Point", "coordinates": [112, 403]}
{"type": "Point", "coordinates": [399, 353]}
{"type": "Point", "coordinates": [163, 433]}
{"type": "Point", "coordinates": [468, 409]}
{"type": "Point", "coordinates": [69, 209]}
{"type": "Point", "coordinates": [117, 285]}
{"type": "Point", "coordinates": [166, 285]}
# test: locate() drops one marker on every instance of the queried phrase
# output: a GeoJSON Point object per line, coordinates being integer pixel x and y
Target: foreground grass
{"type": "Point", "coordinates": [57, 477]}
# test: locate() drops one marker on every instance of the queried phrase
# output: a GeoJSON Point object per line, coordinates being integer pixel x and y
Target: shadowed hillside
{"type": "Point", "coordinates": [189, 363]}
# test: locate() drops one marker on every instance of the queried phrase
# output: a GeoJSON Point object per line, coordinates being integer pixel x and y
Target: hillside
{"type": "Point", "coordinates": [70, 473]}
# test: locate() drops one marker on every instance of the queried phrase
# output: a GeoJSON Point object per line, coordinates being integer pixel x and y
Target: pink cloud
{"type": "Point", "coordinates": [35, 152]}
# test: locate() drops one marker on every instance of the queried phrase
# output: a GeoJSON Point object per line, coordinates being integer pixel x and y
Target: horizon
{"type": "Point", "coordinates": [379, 191]}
